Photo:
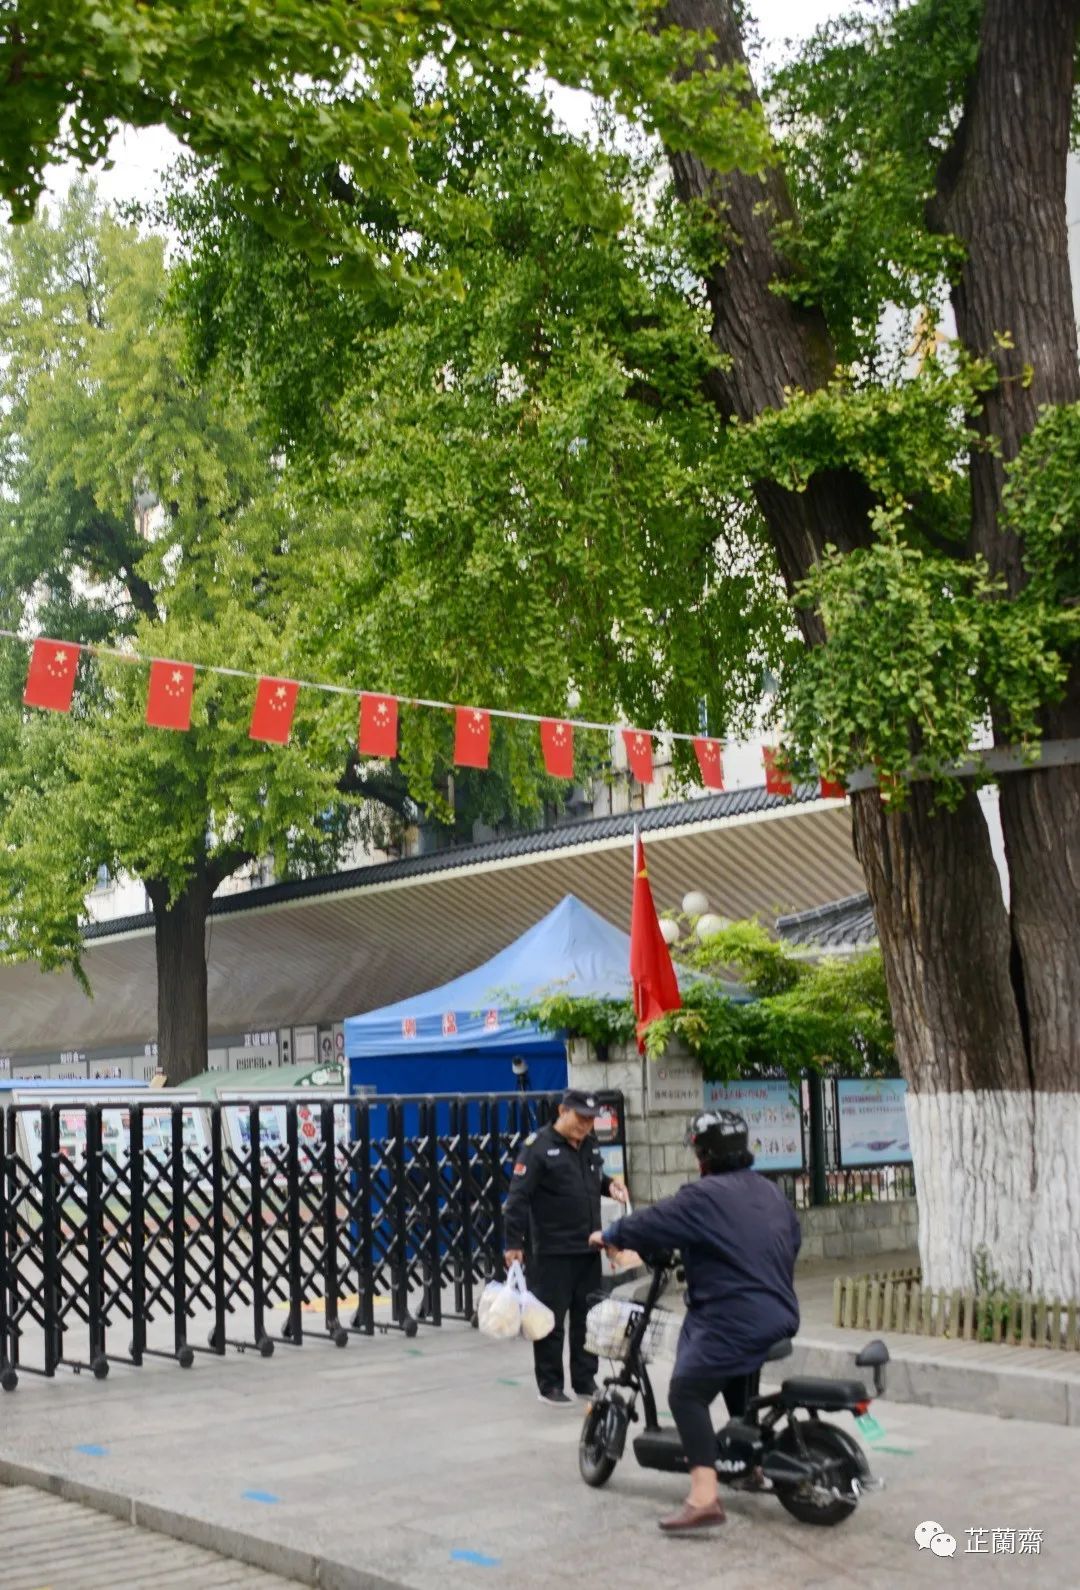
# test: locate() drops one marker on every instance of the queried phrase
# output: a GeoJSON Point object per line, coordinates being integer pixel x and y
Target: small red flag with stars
{"type": "Point", "coordinates": [378, 726]}
{"type": "Point", "coordinates": [833, 790]}
{"type": "Point", "coordinates": [557, 740]}
{"type": "Point", "coordinates": [275, 703]}
{"type": "Point", "coordinates": [168, 700]}
{"type": "Point", "coordinates": [639, 754]}
{"type": "Point", "coordinates": [710, 759]}
{"type": "Point", "coordinates": [472, 737]}
{"type": "Point", "coordinates": [50, 681]}
{"type": "Point", "coordinates": [777, 781]}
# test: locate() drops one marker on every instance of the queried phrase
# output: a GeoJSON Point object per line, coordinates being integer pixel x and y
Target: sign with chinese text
{"type": "Point", "coordinates": [873, 1121]}
{"type": "Point", "coordinates": [773, 1115]}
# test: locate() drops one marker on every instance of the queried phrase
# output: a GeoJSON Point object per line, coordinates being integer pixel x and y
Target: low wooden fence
{"type": "Point", "coordinates": [897, 1301]}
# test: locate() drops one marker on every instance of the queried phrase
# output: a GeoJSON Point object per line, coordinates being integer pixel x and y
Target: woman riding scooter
{"type": "Point", "coordinates": [738, 1237]}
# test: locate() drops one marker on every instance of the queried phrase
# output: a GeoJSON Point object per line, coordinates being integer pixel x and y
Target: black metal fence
{"type": "Point", "coordinates": [383, 1214]}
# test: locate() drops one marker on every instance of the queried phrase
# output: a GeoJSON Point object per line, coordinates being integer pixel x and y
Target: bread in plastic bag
{"type": "Point", "coordinates": [537, 1320]}
{"type": "Point", "coordinates": [507, 1309]}
{"type": "Point", "coordinates": [499, 1311]}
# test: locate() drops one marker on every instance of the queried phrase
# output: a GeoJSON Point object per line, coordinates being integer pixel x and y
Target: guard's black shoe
{"type": "Point", "coordinates": [555, 1399]}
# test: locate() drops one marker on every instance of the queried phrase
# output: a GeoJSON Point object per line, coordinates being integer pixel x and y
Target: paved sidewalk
{"type": "Point", "coordinates": [429, 1465]}
{"type": "Point", "coordinates": [49, 1544]}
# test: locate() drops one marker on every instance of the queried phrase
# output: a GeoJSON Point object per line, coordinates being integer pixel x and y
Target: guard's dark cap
{"type": "Point", "coordinates": [582, 1103]}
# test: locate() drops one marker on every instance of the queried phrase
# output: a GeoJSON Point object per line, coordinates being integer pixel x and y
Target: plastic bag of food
{"type": "Point", "coordinates": [537, 1320]}
{"type": "Point", "coordinates": [498, 1313]}
{"type": "Point", "coordinates": [507, 1308]}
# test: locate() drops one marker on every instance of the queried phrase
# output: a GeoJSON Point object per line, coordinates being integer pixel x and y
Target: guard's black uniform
{"type": "Point", "coordinates": [554, 1197]}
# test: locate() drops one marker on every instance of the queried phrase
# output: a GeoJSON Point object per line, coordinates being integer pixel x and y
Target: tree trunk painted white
{"type": "Point", "coordinates": [998, 1171]}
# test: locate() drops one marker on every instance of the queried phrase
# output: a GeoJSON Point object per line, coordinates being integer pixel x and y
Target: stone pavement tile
{"type": "Point", "coordinates": [435, 1456]}
{"type": "Point", "coordinates": [46, 1541]}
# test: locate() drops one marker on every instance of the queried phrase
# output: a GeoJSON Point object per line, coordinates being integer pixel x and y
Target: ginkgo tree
{"type": "Point", "coordinates": [138, 512]}
{"type": "Point", "coordinates": [915, 498]}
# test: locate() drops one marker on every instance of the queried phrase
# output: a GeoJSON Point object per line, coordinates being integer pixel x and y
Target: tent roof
{"type": "Point", "coordinates": [573, 950]}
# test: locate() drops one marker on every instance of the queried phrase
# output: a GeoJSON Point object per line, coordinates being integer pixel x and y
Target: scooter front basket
{"type": "Point", "coordinates": [610, 1324]}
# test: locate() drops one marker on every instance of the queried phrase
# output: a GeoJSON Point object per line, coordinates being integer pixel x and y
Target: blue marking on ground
{"type": "Point", "coordinates": [476, 1558]}
{"type": "Point", "coordinates": [259, 1496]}
{"type": "Point", "coordinates": [93, 1451]}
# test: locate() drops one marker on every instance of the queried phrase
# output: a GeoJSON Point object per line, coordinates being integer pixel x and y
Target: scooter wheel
{"type": "Point", "coordinates": [829, 1451]}
{"type": "Point", "coordinates": [593, 1462]}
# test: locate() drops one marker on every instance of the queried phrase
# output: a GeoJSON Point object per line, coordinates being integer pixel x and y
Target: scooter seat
{"type": "Point", "coordinates": [806, 1391]}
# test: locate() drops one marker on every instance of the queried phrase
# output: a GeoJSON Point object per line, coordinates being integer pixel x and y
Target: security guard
{"type": "Point", "coordinates": [555, 1194]}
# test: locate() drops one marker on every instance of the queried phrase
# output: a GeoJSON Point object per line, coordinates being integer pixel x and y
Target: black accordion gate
{"type": "Point", "coordinates": [119, 1217]}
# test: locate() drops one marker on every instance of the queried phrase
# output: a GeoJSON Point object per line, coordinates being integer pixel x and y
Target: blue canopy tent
{"type": "Point", "coordinates": [460, 1038]}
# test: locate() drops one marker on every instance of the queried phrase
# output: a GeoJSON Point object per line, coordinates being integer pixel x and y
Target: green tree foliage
{"type": "Point", "coordinates": [804, 1012]}
{"type": "Point", "coordinates": [517, 491]}
{"type": "Point", "coordinates": [274, 91]}
{"type": "Point", "coordinates": [138, 511]}
{"type": "Point", "coordinates": [552, 435]}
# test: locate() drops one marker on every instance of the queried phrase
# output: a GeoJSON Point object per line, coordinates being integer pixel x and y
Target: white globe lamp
{"type": "Point", "coordinates": [709, 924]}
{"type": "Point", "coordinates": [669, 930]}
{"type": "Point", "coordinates": [695, 903]}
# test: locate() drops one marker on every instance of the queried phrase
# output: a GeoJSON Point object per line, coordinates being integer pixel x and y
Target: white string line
{"type": "Point", "coordinates": [348, 690]}
{"type": "Point", "coordinates": [994, 759]}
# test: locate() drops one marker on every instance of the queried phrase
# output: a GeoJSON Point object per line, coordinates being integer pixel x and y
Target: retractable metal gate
{"type": "Point", "coordinates": [114, 1218]}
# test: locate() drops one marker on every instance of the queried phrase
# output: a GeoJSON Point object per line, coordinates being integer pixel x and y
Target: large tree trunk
{"type": "Point", "coordinates": [1002, 192]}
{"type": "Point", "coordinates": [180, 944]}
{"type": "Point", "coordinates": [966, 1002]}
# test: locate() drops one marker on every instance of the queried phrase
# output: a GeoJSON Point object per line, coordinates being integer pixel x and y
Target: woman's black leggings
{"type": "Point", "coordinates": [690, 1398]}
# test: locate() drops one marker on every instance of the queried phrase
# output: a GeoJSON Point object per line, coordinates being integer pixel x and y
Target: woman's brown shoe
{"type": "Point", "coordinates": [689, 1518]}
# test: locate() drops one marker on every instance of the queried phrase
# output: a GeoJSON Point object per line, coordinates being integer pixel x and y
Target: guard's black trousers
{"type": "Point", "coordinates": [564, 1282]}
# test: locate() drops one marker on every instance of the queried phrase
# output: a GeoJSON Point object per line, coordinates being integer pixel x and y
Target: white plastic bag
{"type": "Point", "coordinates": [625, 1260]}
{"type": "Point", "coordinates": [507, 1309]}
{"type": "Point", "coordinates": [537, 1320]}
{"type": "Point", "coordinates": [498, 1313]}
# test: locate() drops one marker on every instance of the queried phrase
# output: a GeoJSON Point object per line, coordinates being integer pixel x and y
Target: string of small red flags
{"type": "Point", "coordinates": [50, 684]}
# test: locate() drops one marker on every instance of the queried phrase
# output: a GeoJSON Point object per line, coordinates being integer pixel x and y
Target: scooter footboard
{"type": "Point", "coordinates": [661, 1449]}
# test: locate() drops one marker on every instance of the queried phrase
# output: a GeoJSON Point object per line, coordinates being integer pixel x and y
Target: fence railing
{"type": "Point", "coordinates": [898, 1302]}
{"type": "Point", "coordinates": [872, 1184]}
{"type": "Point", "coordinates": [394, 1205]}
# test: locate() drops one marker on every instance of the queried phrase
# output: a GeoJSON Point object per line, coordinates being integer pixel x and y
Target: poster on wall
{"type": "Point", "coordinates": [773, 1115]}
{"type": "Point", "coordinates": [115, 1131]}
{"type": "Point", "coordinates": [273, 1127]}
{"type": "Point", "coordinates": [157, 1131]}
{"type": "Point", "coordinates": [873, 1121]}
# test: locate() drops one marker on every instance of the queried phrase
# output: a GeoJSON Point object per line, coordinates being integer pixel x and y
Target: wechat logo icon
{"type": "Point", "coordinates": [933, 1535]}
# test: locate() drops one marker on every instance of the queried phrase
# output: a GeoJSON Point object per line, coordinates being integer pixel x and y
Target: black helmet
{"type": "Point", "coordinates": [719, 1138]}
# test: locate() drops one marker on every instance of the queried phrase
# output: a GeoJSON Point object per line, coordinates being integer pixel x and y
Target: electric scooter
{"type": "Point", "coordinates": [816, 1471]}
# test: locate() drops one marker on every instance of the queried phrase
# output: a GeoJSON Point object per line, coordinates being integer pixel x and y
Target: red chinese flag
{"type": "Point", "coordinates": [168, 700]}
{"type": "Point", "coordinates": [557, 739]}
{"type": "Point", "coordinates": [656, 988]}
{"type": "Point", "coordinates": [639, 754]}
{"type": "Point", "coordinates": [378, 726]}
{"type": "Point", "coordinates": [275, 703]}
{"type": "Point", "coordinates": [50, 681]}
{"type": "Point", "coordinates": [472, 737]}
{"type": "Point", "coordinates": [776, 782]}
{"type": "Point", "coordinates": [832, 790]}
{"type": "Point", "coordinates": [710, 759]}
